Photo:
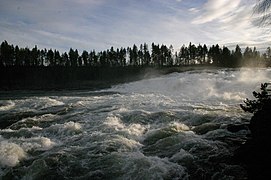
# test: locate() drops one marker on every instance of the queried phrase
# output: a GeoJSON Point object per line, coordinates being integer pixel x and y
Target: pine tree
{"type": "Point", "coordinates": [85, 58]}
{"type": "Point", "coordinates": [262, 98]}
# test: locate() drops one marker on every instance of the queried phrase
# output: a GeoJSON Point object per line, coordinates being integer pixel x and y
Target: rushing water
{"type": "Point", "coordinates": [170, 127]}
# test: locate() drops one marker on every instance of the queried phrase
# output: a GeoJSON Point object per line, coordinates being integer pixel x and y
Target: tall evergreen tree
{"type": "Point", "coordinates": [156, 55]}
{"type": "Point", "coordinates": [17, 56]}
{"type": "Point", "coordinates": [140, 55]}
{"type": "Point", "coordinates": [7, 54]}
{"type": "Point", "coordinates": [66, 60]}
{"type": "Point", "coordinates": [204, 53]}
{"type": "Point", "coordinates": [26, 56]}
{"type": "Point", "coordinates": [146, 55]}
{"type": "Point", "coordinates": [237, 56]}
{"type": "Point", "coordinates": [57, 58]}
{"type": "Point", "coordinates": [226, 57]}
{"type": "Point", "coordinates": [73, 56]}
{"type": "Point", "coordinates": [50, 58]}
{"type": "Point", "coordinates": [85, 58]}
{"type": "Point", "coordinates": [34, 56]}
{"type": "Point", "coordinates": [135, 56]}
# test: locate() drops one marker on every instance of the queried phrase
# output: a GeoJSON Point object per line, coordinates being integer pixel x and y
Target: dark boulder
{"type": "Point", "coordinates": [205, 128]}
{"type": "Point", "coordinates": [237, 127]}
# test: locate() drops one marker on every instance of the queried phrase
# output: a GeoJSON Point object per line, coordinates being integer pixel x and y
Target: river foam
{"type": "Point", "coordinates": [174, 126]}
{"type": "Point", "coordinates": [10, 153]}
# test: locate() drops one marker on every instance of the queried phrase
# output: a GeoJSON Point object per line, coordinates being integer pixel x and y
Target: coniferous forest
{"type": "Point", "coordinates": [23, 68]}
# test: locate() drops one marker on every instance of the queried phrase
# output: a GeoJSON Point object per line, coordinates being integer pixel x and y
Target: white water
{"type": "Point", "coordinates": [174, 126]}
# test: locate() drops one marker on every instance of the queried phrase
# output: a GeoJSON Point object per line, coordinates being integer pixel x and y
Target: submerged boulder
{"type": "Point", "coordinates": [205, 128]}
{"type": "Point", "coordinates": [237, 127]}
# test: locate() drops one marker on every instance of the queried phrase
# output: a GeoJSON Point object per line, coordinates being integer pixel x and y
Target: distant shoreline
{"type": "Point", "coordinates": [80, 78]}
{"type": "Point", "coordinates": [42, 69]}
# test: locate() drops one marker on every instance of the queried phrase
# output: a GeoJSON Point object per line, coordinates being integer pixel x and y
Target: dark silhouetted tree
{"type": "Point", "coordinates": [73, 55]}
{"type": "Point", "coordinates": [34, 56]}
{"type": "Point", "coordinates": [214, 55]}
{"type": "Point", "coordinates": [57, 58]}
{"type": "Point", "coordinates": [18, 61]}
{"type": "Point", "coordinates": [156, 55]}
{"type": "Point", "coordinates": [122, 57]}
{"type": "Point", "coordinates": [226, 57]}
{"type": "Point", "coordinates": [66, 60]}
{"type": "Point", "coordinates": [85, 58]}
{"type": "Point", "coordinates": [6, 55]}
{"type": "Point", "coordinates": [146, 55]}
{"type": "Point", "coordinates": [26, 56]}
{"type": "Point", "coordinates": [237, 55]}
{"type": "Point", "coordinates": [50, 58]}
{"type": "Point", "coordinates": [262, 98]}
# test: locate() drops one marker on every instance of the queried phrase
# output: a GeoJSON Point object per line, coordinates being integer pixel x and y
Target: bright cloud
{"type": "Point", "coordinates": [231, 23]}
{"type": "Point", "coordinates": [215, 9]}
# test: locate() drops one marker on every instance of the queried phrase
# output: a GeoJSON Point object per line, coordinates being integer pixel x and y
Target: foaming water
{"type": "Point", "coordinates": [171, 127]}
{"type": "Point", "coordinates": [7, 105]}
{"type": "Point", "coordinates": [220, 85]}
{"type": "Point", "coordinates": [10, 153]}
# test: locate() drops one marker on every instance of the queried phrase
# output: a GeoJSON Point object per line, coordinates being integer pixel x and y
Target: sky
{"type": "Point", "coordinates": [100, 24]}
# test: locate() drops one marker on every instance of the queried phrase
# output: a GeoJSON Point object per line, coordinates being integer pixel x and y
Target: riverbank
{"type": "Point", "coordinates": [80, 78]}
{"type": "Point", "coordinates": [255, 153]}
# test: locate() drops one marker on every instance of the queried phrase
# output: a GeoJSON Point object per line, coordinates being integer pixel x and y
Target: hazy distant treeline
{"type": "Point", "coordinates": [142, 56]}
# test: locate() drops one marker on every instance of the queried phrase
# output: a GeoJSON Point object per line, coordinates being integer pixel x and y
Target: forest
{"type": "Point", "coordinates": [157, 56]}
{"type": "Point", "coordinates": [34, 68]}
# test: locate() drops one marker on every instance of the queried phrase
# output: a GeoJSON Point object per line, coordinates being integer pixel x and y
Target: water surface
{"type": "Point", "coordinates": [171, 127]}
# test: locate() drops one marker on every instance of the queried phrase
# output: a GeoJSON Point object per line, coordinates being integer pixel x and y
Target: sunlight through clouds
{"type": "Point", "coordinates": [231, 23]}
{"type": "Point", "coordinates": [214, 9]}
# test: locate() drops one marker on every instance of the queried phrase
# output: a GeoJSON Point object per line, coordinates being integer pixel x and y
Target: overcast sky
{"type": "Point", "coordinates": [100, 24]}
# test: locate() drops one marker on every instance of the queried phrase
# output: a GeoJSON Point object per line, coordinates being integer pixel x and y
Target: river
{"type": "Point", "coordinates": [174, 126]}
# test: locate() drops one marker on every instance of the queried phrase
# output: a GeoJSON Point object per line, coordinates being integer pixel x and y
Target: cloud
{"type": "Point", "coordinates": [50, 24]}
{"type": "Point", "coordinates": [229, 23]}
{"type": "Point", "coordinates": [194, 10]}
{"type": "Point", "coordinates": [216, 9]}
{"type": "Point", "coordinates": [100, 24]}
{"type": "Point", "coordinates": [89, 25]}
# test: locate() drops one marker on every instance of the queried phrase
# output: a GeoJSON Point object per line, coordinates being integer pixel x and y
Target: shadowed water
{"type": "Point", "coordinates": [172, 127]}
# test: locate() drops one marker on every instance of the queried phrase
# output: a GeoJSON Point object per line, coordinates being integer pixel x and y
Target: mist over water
{"type": "Point", "coordinates": [171, 127]}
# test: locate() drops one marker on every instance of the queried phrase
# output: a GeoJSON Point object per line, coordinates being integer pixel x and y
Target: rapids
{"type": "Point", "coordinates": [170, 127]}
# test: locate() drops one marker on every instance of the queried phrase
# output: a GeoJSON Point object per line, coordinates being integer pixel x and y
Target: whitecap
{"type": "Point", "coordinates": [37, 143]}
{"type": "Point", "coordinates": [72, 126]}
{"type": "Point", "coordinates": [10, 154]}
{"type": "Point", "coordinates": [136, 129]}
{"type": "Point", "coordinates": [6, 105]}
{"type": "Point", "coordinates": [66, 128]}
{"type": "Point", "coordinates": [178, 127]}
{"type": "Point", "coordinates": [115, 123]}
{"type": "Point", "coordinates": [133, 130]}
{"type": "Point", "coordinates": [51, 102]}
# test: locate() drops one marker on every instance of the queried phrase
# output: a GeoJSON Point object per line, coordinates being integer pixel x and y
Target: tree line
{"type": "Point", "coordinates": [142, 56]}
